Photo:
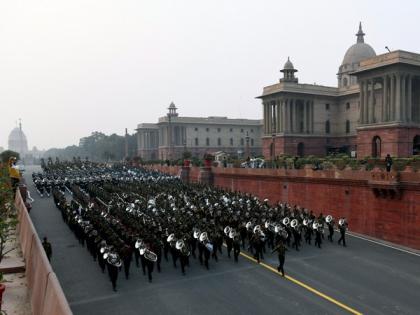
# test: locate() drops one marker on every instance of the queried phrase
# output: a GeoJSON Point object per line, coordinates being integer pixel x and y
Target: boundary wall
{"type": "Point", "coordinates": [376, 203]}
{"type": "Point", "coordinates": [45, 292]}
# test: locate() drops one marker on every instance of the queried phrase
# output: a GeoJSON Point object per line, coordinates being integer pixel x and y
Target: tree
{"type": "Point", "coordinates": [5, 155]}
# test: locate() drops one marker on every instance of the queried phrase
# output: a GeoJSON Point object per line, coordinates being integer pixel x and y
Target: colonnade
{"type": "Point", "coordinates": [288, 115]}
{"type": "Point", "coordinates": [396, 96]}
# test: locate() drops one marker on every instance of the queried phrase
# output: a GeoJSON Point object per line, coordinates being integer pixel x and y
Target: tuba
{"type": "Point", "coordinates": [286, 221]}
{"type": "Point", "coordinates": [341, 222]}
{"type": "Point", "coordinates": [227, 230]}
{"type": "Point", "coordinates": [196, 233]}
{"type": "Point", "coordinates": [328, 218]}
{"type": "Point", "coordinates": [294, 223]}
{"type": "Point", "coordinates": [149, 255]}
{"type": "Point", "coordinates": [113, 259]}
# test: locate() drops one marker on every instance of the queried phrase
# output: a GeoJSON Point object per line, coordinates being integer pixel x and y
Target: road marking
{"type": "Point", "coordinates": [303, 285]}
{"type": "Point", "coordinates": [384, 244]}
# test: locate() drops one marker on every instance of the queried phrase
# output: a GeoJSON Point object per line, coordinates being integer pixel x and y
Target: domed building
{"type": "Point", "coordinates": [17, 141]}
{"type": "Point", "coordinates": [374, 110]}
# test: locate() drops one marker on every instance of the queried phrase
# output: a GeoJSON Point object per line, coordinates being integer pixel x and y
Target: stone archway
{"type": "Point", "coordinates": [376, 147]}
{"type": "Point", "coordinates": [416, 145]}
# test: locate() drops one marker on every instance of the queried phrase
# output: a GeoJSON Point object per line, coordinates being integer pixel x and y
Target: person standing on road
{"type": "Point", "coordinates": [48, 248]}
{"type": "Point", "coordinates": [281, 251]}
{"type": "Point", "coordinates": [342, 226]}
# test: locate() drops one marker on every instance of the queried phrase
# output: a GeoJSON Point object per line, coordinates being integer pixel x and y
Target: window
{"type": "Point", "coordinates": [327, 127]}
{"type": "Point", "coordinates": [347, 106]}
{"type": "Point", "coordinates": [207, 141]}
{"type": "Point", "coordinates": [207, 129]}
{"type": "Point", "coordinates": [252, 142]}
{"type": "Point", "coordinates": [327, 106]}
{"type": "Point", "coordinates": [196, 141]}
{"type": "Point", "coordinates": [242, 141]}
{"type": "Point", "coordinates": [231, 141]}
{"type": "Point", "coordinates": [219, 141]}
{"type": "Point", "coordinates": [252, 130]}
{"type": "Point", "coordinates": [242, 130]}
{"type": "Point", "coordinates": [347, 126]}
{"type": "Point", "coordinates": [195, 129]}
{"type": "Point", "coordinates": [218, 129]}
{"type": "Point", "coordinates": [345, 82]}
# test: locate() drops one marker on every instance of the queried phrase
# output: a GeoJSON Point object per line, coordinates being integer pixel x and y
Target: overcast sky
{"type": "Point", "coordinates": [68, 68]}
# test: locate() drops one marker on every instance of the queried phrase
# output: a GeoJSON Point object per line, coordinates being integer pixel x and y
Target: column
{"type": "Point", "coordinates": [371, 101]}
{"type": "Point", "coordinates": [409, 98]}
{"type": "Point", "coordinates": [305, 116]}
{"type": "Point", "coordinates": [278, 114]}
{"type": "Point", "coordinates": [403, 101]}
{"type": "Point", "coordinates": [292, 115]}
{"type": "Point", "coordinates": [366, 102]}
{"type": "Point", "coordinates": [265, 117]}
{"type": "Point", "coordinates": [284, 115]}
{"type": "Point", "coordinates": [392, 98]}
{"type": "Point", "coordinates": [361, 101]}
{"type": "Point", "coordinates": [311, 117]}
{"type": "Point", "coordinates": [384, 99]}
{"type": "Point", "coordinates": [274, 110]}
{"type": "Point", "coordinates": [398, 98]}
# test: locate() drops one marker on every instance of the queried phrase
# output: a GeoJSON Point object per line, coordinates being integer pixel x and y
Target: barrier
{"type": "Point", "coordinates": [46, 294]}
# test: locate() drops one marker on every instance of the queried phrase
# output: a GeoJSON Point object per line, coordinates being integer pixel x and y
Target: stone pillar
{"type": "Point", "coordinates": [392, 98]}
{"type": "Point", "coordinates": [362, 102]}
{"type": "Point", "coordinates": [270, 116]}
{"type": "Point", "coordinates": [311, 117]}
{"type": "Point", "coordinates": [371, 102]}
{"type": "Point", "coordinates": [366, 102]}
{"type": "Point", "coordinates": [383, 105]}
{"type": "Point", "coordinates": [278, 114]}
{"type": "Point", "coordinates": [305, 116]}
{"type": "Point", "coordinates": [403, 96]}
{"type": "Point", "coordinates": [409, 98]}
{"type": "Point", "coordinates": [398, 98]}
{"type": "Point", "coordinates": [274, 109]}
{"type": "Point", "coordinates": [290, 116]}
{"type": "Point", "coordinates": [284, 118]}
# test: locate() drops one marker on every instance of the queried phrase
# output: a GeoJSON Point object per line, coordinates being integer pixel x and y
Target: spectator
{"type": "Point", "coordinates": [47, 248]}
{"type": "Point", "coordinates": [14, 173]}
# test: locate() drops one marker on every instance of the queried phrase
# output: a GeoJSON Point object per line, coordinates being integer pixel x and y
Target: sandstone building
{"type": "Point", "coordinates": [174, 134]}
{"type": "Point", "coordinates": [375, 110]}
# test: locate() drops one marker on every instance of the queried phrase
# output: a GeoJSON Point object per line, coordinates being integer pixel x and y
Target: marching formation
{"type": "Point", "coordinates": [120, 212]}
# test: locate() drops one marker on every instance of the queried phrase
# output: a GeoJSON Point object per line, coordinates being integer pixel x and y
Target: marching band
{"type": "Point", "coordinates": [118, 211]}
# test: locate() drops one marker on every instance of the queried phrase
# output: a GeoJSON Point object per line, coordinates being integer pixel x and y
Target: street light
{"type": "Point", "coordinates": [273, 149]}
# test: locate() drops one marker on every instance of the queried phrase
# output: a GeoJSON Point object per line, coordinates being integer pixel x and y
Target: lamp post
{"type": "Point", "coordinates": [247, 145]}
{"type": "Point", "coordinates": [273, 149]}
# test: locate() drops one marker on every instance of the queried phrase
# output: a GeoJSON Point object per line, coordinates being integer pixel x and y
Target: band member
{"type": "Point", "coordinates": [150, 265]}
{"type": "Point", "coordinates": [229, 244]}
{"type": "Point", "coordinates": [113, 272]}
{"type": "Point", "coordinates": [257, 244]}
{"type": "Point", "coordinates": [243, 233]}
{"type": "Point", "coordinates": [281, 251]}
{"type": "Point", "coordinates": [342, 226]}
{"type": "Point", "coordinates": [318, 237]}
{"type": "Point", "coordinates": [236, 247]}
{"type": "Point", "coordinates": [330, 230]}
{"type": "Point", "coordinates": [126, 256]}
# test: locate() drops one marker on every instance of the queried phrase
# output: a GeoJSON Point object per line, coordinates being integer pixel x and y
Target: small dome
{"type": "Point", "coordinates": [288, 65]}
{"type": "Point", "coordinates": [17, 141]}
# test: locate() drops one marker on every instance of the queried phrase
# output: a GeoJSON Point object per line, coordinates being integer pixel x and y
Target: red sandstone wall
{"type": "Point", "coordinates": [344, 193]}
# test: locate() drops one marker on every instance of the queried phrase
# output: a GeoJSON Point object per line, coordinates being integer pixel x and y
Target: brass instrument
{"type": "Point", "coordinates": [328, 218]}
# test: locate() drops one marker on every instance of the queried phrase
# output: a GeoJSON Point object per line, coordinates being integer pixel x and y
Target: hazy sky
{"type": "Point", "coordinates": [68, 68]}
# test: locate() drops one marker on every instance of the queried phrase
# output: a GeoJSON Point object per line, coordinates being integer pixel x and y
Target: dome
{"type": "Point", "coordinates": [17, 141]}
{"type": "Point", "coordinates": [359, 51]}
{"type": "Point", "coordinates": [288, 65]}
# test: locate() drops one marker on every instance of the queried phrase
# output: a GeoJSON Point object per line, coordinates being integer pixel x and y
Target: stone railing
{"type": "Point", "coordinates": [46, 294]}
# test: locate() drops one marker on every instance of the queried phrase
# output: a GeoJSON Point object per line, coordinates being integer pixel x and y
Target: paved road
{"type": "Point", "coordinates": [366, 277]}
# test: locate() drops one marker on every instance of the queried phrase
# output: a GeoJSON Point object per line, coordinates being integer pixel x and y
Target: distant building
{"type": "Point", "coordinates": [173, 135]}
{"type": "Point", "coordinates": [374, 111]}
{"type": "Point", "coordinates": [17, 141]}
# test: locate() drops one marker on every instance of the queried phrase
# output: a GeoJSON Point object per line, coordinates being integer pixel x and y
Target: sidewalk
{"type": "Point", "coordinates": [16, 296]}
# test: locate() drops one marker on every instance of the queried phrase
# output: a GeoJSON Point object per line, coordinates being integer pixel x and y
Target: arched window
{"type": "Point", "coordinates": [196, 141]}
{"type": "Point", "coordinates": [376, 146]}
{"type": "Point", "coordinates": [416, 145]}
{"type": "Point", "coordinates": [231, 141]}
{"type": "Point", "coordinates": [252, 142]}
{"type": "Point", "coordinates": [242, 141]}
{"type": "Point", "coordinates": [207, 141]}
{"type": "Point", "coordinates": [347, 126]}
{"type": "Point", "coordinates": [219, 141]}
{"type": "Point", "coordinates": [345, 82]}
{"type": "Point", "coordinates": [327, 127]}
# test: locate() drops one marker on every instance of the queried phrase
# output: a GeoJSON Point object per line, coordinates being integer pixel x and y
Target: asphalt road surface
{"type": "Point", "coordinates": [363, 278]}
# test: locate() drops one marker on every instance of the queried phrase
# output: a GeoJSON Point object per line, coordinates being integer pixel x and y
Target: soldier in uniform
{"type": "Point", "coordinates": [343, 227]}
{"type": "Point", "coordinates": [281, 251]}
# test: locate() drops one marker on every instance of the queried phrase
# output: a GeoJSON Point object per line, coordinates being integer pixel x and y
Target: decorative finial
{"type": "Point", "coordinates": [20, 124]}
{"type": "Point", "coordinates": [360, 35]}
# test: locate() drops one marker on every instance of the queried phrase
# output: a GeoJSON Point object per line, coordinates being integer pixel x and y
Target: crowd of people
{"type": "Point", "coordinates": [120, 213]}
